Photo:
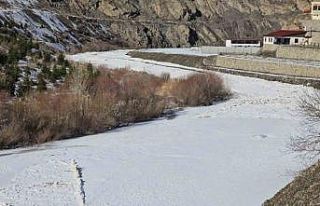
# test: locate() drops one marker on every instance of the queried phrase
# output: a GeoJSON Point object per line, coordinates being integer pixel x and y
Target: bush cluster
{"type": "Point", "coordinates": [92, 101]}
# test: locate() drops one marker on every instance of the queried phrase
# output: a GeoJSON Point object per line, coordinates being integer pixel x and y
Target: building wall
{"type": "Point", "coordinates": [268, 40]}
{"type": "Point", "coordinates": [314, 26]}
{"type": "Point", "coordinates": [315, 10]}
{"type": "Point", "coordinates": [230, 44]}
{"type": "Point", "coordinates": [297, 40]}
{"type": "Point", "coordinates": [293, 40]}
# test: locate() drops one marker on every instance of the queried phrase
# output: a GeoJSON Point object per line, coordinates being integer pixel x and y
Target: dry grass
{"type": "Point", "coordinates": [91, 102]}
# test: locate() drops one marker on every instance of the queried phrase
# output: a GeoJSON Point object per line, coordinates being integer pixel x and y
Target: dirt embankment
{"type": "Point", "coordinates": [303, 191]}
{"type": "Point", "coordinates": [215, 63]}
{"type": "Point", "coordinates": [185, 60]}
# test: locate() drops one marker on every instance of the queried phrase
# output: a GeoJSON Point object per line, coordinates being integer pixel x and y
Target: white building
{"type": "Point", "coordinates": [315, 10]}
{"type": "Point", "coordinates": [243, 43]}
{"type": "Point", "coordinates": [287, 37]}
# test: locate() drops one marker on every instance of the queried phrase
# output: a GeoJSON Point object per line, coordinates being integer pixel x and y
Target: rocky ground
{"type": "Point", "coordinates": [304, 190]}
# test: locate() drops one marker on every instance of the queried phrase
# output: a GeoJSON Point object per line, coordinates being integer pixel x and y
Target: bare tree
{"type": "Point", "coordinates": [309, 144]}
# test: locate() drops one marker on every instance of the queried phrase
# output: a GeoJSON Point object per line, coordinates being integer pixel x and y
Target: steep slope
{"type": "Point", "coordinates": [148, 23]}
{"type": "Point", "coordinates": [304, 190]}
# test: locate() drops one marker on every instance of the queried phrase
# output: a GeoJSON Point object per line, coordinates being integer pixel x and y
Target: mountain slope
{"type": "Point", "coordinates": [146, 23]}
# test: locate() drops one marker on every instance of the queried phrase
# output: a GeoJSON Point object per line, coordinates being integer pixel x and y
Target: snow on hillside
{"type": "Point", "coordinates": [231, 153]}
{"type": "Point", "coordinates": [21, 3]}
{"type": "Point", "coordinates": [40, 32]}
{"type": "Point", "coordinates": [44, 26]}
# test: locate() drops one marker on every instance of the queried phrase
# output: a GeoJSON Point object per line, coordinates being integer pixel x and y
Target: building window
{"type": "Point", "coordinates": [296, 41]}
{"type": "Point", "coordinates": [316, 8]}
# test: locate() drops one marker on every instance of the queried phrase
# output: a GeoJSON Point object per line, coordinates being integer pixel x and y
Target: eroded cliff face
{"type": "Point", "coordinates": [169, 23]}
{"type": "Point", "coordinates": [177, 23]}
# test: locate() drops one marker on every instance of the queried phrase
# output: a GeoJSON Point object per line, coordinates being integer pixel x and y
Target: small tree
{"type": "Point", "coordinates": [61, 59]}
{"type": "Point", "coordinates": [46, 57]}
{"type": "Point", "coordinates": [12, 75]}
{"type": "Point", "coordinates": [42, 85]}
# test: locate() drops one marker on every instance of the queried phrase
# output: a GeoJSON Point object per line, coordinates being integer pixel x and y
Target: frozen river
{"type": "Point", "coordinates": [231, 153]}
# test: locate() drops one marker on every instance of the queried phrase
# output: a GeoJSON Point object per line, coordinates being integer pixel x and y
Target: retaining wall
{"type": "Point", "coordinates": [311, 52]}
{"type": "Point", "coordinates": [298, 53]}
{"type": "Point", "coordinates": [230, 50]}
{"type": "Point", "coordinates": [264, 66]}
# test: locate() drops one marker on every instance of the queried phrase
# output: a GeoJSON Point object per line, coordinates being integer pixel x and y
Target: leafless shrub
{"type": "Point", "coordinates": [199, 89]}
{"type": "Point", "coordinates": [93, 101]}
{"type": "Point", "coordinates": [309, 144]}
{"type": "Point", "coordinates": [165, 77]}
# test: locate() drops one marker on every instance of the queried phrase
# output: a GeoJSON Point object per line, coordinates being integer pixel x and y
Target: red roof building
{"type": "Point", "coordinates": [287, 37]}
{"type": "Point", "coordinates": [288, 33]}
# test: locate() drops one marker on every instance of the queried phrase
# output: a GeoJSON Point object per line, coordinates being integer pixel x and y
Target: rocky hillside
{"type": "Point", "coordinates": [304, 190]}
{"type": "Point", "coordinates": [94, 24]}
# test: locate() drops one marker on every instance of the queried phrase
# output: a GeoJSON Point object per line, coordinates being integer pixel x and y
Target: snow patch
{"type": "Point", "coordinates": [21, 3]}
{"type": "Point", "coordinates": [51, 19]}
{"type": "Point", "coordinates": [43, 25]}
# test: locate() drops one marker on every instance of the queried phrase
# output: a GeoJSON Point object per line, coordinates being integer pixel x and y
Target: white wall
{"type": "Point", "coordinates": [268, 40]}
{"type": "Point", "coordinates": [293, 40]}
{"type": "Point", "coordinates": [315, 13]}
{"type": "Point", "coordinates": [297, 40]}
{"type": "Point", "coordinates": [230, 44]}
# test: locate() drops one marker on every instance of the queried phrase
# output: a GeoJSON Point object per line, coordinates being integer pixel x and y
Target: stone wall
{"type": "Point", "coordinates": [230, 50]}
{"type": "Point", "coordinates": [305, 53]}
{"type": "Point", "coordinates": [294, 52]}
{"type": "Point", "coordinates": [262, 65]}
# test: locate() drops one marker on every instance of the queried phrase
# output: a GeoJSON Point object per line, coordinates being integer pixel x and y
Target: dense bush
{"type": "Point", "coordinates": [93, 101]}
{"type": "Point", "coordinates": [199, 89]}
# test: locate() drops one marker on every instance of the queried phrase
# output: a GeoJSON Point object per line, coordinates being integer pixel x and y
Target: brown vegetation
{"type": "Point", "coordinates": [198, 90]}
{"type": "Point", "coordinates": [303, 191]}
{"type": "Point", "coordinates": [95, 101]}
